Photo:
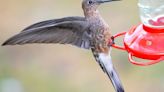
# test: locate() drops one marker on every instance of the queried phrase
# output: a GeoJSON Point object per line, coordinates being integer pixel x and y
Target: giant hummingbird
{"type": "Point", "coordinates": [89, 32]}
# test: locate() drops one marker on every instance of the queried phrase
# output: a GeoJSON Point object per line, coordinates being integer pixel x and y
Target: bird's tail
{"type": "Point", "coordinates": [105, 63]}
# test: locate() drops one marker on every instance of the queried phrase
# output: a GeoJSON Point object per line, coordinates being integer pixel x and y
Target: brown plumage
{"type": "Point", "coordinates": [89, 32]}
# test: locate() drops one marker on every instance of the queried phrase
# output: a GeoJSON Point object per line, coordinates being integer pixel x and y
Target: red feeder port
{"type": "Point", "coordinates": [144, 42]}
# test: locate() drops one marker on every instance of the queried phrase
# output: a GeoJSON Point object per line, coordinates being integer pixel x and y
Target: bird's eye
{"type": "Point", "coordinates": [90, 2]}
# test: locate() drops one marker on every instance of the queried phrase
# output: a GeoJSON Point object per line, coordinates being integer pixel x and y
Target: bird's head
{"type": "Point", "coordinates": [93, 4]}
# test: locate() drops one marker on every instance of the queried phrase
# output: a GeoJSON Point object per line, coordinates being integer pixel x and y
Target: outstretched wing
{"type": "Point", "coordinates": [54, 21]}
{"type": "Point", "coordinates": [69, 30]}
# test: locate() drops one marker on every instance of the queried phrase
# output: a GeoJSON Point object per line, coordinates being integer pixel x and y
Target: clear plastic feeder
{"type": "Point", "coordinates": [152, 13]}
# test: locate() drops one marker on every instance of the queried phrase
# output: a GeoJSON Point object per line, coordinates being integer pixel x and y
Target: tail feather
{"type": "Point", "coordinates": [105, 63]}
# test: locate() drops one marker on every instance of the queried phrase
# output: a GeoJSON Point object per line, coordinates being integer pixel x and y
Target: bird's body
{"type": "Point", "coordinates": [89, 32]}
{"type": "Point", "coordinates": [100, 34]}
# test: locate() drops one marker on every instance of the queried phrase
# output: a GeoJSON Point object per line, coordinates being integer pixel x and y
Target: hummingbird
{"type": "Point", "coordinates": [89, 32]}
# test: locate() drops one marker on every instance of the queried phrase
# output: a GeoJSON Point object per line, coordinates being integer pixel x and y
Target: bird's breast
{"type": "Point", "coordinates": [100, 39]}
{"type": "Point", "coordinates": [100, 34]}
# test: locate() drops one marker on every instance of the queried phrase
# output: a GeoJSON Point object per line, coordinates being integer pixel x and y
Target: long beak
{"type": "Point", "coordinates": [104, 1]}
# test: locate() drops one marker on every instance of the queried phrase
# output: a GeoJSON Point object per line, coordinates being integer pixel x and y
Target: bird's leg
{"type": "Point", "coordinates": [112, 38]}
{"type": "Point", "coordinates": [111, 41]}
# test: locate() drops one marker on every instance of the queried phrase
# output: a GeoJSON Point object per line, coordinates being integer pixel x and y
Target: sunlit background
{"type": "Point", "coordinates": [65, 68]}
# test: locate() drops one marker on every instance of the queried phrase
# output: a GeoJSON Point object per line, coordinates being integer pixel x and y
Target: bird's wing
{"type": "Point", "coordinates": [54, 21]}
{"type": "Point", "coordinates": [70, 30]}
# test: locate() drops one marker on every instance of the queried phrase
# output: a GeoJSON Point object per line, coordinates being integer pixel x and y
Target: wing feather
{"type": "Point", "coordinates": [72, 30]}
{"type": "Point", "coordinates": [54, 21]}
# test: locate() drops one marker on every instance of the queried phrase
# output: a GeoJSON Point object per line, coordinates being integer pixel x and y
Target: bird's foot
{"type": "Point", "coordinates": [111, 42]}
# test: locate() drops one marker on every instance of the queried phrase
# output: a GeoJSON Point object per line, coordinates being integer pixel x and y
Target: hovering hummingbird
{"type": "Point", "coordinates": [89, 32]}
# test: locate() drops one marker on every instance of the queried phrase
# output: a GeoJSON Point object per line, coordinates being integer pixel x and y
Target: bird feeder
{"type": "Point", "coordinates": [146, 40]}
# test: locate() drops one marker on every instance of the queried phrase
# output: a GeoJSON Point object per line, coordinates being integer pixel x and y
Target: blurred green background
{"type": "Point", "coordinates": [65, 68]}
